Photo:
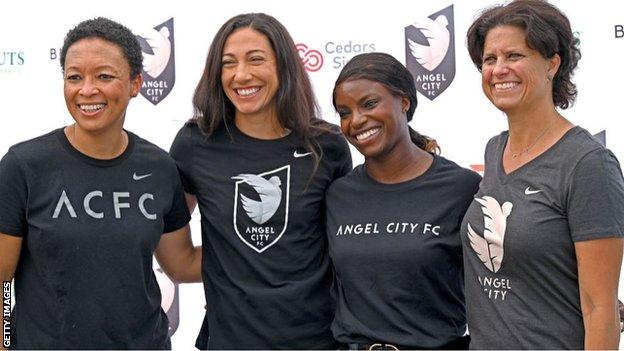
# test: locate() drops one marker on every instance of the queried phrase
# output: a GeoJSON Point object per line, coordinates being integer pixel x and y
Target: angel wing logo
{"type": "Point", "coordinates": [156, 49]}
{"type": "Point", "coordinates": [489, 247]}
{"type": "Point", "coordinates": [261, 207]}
{"type": "Point", "coordinates": [438, 36]}
{"type": "Point", "coordinates": [430, 52]}
{"type": "Point", "coordinates": [270, 197]}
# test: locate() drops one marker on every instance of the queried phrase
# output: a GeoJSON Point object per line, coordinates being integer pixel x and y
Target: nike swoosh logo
{"type": "Point", "coordinates": [528, 191]}
{"type": "Point", "coordinates": [298, 155]}
{"type": "Point", "coordinates": [139, 177]}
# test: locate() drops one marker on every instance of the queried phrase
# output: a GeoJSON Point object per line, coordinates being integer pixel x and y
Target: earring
{"type": "Point", "coordinates": [550, 77]}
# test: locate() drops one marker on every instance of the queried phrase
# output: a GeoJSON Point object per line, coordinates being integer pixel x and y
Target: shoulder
{"type": "Point", "coordinates": [580, 141]}
{"type": "Point", "coordinates": [497, 141]}
{"type": "Point", "coordinates": [461, 178]}
{"type": "Point", "coordinates": [189, 132]}
{"type": "Point", "coordinates": [38, 148]}
{"type": "Point", "coordinates": [332, 143]}
{"type": "Point", "coordinates": [353, 179]}
{"type": "Point", "coordinates": [575, 148]}
{"type": "Point", "coordinates": [331, 137]}
{"type": "Point", "coordinates": [456, 170]}
{"type": "Point", "coordinates": [150, 151]}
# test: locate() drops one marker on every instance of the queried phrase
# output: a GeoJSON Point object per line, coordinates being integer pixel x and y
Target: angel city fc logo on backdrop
{"type": "Point", "coordinates": [170, 302]}
{"type": "Point", "coordinates": [489, 247]}
{"type": "Point", "coordinates": [261, 207]}
{"type": "Point", "coordinates": [430, 52]}
{"type": "Point", "coordinates": [157, 45]}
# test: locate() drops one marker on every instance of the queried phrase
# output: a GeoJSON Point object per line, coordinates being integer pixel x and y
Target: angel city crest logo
{"type": "Point", "coordinates": [261, 207]}
{"type": "Point", "coordinates": [430, 52]}
{"type": "Point", "coordinates": [157, 45]}
{"type": "Point", "coordinates": [489, 247]}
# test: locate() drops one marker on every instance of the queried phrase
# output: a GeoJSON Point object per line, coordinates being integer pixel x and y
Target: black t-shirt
{"type": "Point", "coordinates": [266, 270]}
{"type": "Point", "coordinates": [84, 279]}
{"type": "Point", "coordinates": [397, 255]}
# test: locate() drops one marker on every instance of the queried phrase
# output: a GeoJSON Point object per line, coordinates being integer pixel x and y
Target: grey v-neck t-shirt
{"type": "Point", "coordinates": [518, 238]}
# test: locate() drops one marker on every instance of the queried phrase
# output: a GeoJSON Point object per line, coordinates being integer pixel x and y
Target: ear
{"type": "Point", "coordinates": [405, 103]}
{"type": "Point", "coordinates": [553, 65]}
{"type": "Point", "coordinates": [136, 85]}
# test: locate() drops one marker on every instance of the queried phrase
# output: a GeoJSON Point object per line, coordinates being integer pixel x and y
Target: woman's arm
{"type": "Point", "coordinates": [10, 247]}
{"type": "Point", "coordinates": [599, 264]}
{"type": "Point", "coordinates": [176, 254]}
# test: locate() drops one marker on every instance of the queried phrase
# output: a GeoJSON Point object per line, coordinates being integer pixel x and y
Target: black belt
{"type": "Point", "coordinates": [457, 344]}
{"type": "Point", "coordinates": [376, 346]}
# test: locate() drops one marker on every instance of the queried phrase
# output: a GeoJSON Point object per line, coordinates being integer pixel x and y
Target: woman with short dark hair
{"type": "Point", "coordinates": [84, 208]}
{"type": "Point", "coordinates": [543, 237]}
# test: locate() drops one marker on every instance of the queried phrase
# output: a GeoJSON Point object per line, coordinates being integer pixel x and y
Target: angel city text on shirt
{"type": "Point", "coordinates": [390, 228]}
{"type": "Point", "coordinates": [495, 288]}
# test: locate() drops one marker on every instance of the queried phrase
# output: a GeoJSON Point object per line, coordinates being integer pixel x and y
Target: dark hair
{"type": "Point", "coordinates": [385, 69]}
{"type": "Point", "coordinates": [547, 31]}
{"type": "Point", "coordinates": [111, 31]}
{"type": "Point", "coordinates": [297, 109]}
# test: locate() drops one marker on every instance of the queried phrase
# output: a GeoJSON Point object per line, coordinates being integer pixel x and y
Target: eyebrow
{"type": "Point", "coordinates": [102, 67]}
{"type": "Point", "coordinates": [247, 53]}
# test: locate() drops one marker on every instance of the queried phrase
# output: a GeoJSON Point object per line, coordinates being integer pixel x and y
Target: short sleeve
{"type": "Point", "coordinates": [13, 196]}
{"type": "Point", "coordinates": [181, 151]}
{"type": "Point", "coordinates": [596, 197]}
{"type": "Point", "coordinates": [345, 163]}
{"type": "Point", "coordinates": [178, 215]}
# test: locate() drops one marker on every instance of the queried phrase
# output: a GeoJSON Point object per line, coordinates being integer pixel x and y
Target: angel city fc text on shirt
{"type": "Point", "coordinates": [389, 228]}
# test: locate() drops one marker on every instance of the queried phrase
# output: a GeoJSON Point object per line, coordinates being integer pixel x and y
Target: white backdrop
{"type": "Point", "coordinates": [461, 118]}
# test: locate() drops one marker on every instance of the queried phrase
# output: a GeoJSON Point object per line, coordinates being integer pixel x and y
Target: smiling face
{"type": "Point", "coordinates": [97, 85]}
{"type": "Point", "coordinates": [249, 73]}
{"type": "Point", "coordinates": [371, 117]}
{"type": "Point", "coordinates": [515, 77]}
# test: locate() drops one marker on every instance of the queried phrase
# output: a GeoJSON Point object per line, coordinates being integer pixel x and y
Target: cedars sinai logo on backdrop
{"type": "Point", "coordinates": [312, 59]}
{"type": "Point", "coordinates": [430, 52]}
{"type": "Point", "coordinates": [157, 45]}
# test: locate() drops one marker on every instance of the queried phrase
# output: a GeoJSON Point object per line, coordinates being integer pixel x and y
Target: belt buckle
{"type": "Point", "coordinates": [382, 346]}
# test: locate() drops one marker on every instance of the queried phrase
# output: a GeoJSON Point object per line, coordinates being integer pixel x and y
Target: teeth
{"type": "Point", "coordinates": [505, 86]}
{"type": "Point", "coordinates": [247, 92]}
{"type": "Point", "coordinates": [367, 134]}
{"type": "Point", "coordinates": [92, 108]}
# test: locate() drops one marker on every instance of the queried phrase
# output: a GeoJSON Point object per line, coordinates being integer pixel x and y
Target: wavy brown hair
{"type": "Point", "coordinates": [385, 69]}
{"type": "Point", "coordinates": [547, 31]}
{"type": "Point", "coordinates": [297, 108]}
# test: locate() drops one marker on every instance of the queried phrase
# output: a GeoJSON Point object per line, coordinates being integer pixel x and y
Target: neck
{"type": "Point", "coordinates": [399, 165]}
{"type": "Point", "coordinates": [104, 146]}
{"type": "Point", "coordinates": [528, 127]}
{"type": "Point", "coordinates": [265, 126]}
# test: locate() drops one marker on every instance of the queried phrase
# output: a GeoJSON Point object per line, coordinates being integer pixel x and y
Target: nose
{"type": "Point", "coordinates": [500, 67]}
{"type": "Point", "coordinates": [88, 88]}
{"type": "Point", "coordinates": [242, 73]}
{"type": "Point", "coordinates": [358, 119]}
